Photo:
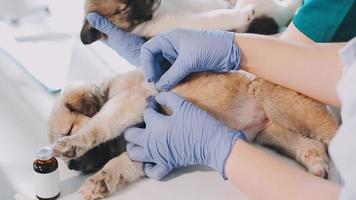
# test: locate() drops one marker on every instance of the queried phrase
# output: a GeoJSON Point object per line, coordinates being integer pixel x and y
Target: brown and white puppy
{"type": "Point", "coordinates": [90, 114]}
{"type": "Point", "coordinates": [148, 18]}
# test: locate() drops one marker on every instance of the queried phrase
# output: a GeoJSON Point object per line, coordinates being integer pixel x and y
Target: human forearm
{"type": "Point", "coordinates": [312, 69]}
{"type": "Point", "coordinates": [260, 176]}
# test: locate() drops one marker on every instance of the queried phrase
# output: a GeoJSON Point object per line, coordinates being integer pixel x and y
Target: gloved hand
{"type": "Point", "coordinates": [125, 44]}
{"type": "Point", "coordinates": [189, 136]}
{"type": "Point", "coordinates": [189, 51]}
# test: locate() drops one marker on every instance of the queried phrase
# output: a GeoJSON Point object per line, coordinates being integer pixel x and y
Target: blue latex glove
{"type": "Point", "coordinates": [125, 44]}
{"type": "Point", "coordinates": [189, 51]}
{"type": "Point", "coordinates": [190, 136]}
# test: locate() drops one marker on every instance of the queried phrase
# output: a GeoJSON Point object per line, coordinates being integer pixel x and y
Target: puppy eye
{"type": "Point", "coordinates": [70, 107]}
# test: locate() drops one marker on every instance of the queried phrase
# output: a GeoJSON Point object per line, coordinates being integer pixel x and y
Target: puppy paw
{"type": "Point", "coordinates": [101, 185]}
{"type": "Point", "coordinates": [319, 168]}
{"type": "Point", "coordinates": [316, 163]}
{"type": "Point", "coordinates": [67, 148]}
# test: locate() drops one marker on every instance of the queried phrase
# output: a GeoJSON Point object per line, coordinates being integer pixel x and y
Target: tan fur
{"type": "Point", "coordinates": [286, 120]}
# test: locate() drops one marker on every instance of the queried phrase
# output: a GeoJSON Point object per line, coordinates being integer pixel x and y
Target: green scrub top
{"type": "Point", "coordinates": [327, 20]}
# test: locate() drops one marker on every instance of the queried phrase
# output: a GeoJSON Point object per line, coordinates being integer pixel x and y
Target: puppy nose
{"type": "Point", "coordinates": [89, 36]}
{"type": "Point", "coordinates": [73, 165]}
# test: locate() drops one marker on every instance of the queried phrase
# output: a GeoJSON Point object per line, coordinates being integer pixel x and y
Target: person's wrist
{"type": "Point", "coordinates": [235, 52]}
{"type": "Point", "coordinates": [236, 135]}
{"type": "Point", "coordinates": [223, 147]}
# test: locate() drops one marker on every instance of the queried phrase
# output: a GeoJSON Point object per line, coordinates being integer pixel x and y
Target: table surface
{"type": "Point", "coordinates": [24, 108]}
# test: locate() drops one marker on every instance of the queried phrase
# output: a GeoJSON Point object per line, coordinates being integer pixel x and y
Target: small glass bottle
{"type": "Point", "coordinates": [46, 174]}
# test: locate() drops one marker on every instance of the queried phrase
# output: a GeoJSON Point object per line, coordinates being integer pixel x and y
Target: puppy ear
{"type": "Point", "coordinates": [86, 99]}
{"type": "Point", "coordinates": [89, 34]}
{"type": "Point", "coordinates": [87, 105]}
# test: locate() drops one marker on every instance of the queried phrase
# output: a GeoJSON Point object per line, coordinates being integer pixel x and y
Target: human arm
{"type": "Point", "coordinates": [318, 66]}
{"type": "Point", "coordinates": [303, 65]}
{"type": "Point", "coordinates": [260, 176]}
{"type": "Point", "coordinates": [311, 69]}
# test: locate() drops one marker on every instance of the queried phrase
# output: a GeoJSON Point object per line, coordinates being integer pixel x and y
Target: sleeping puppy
{"type": "Point", "coordinates": [89, 114]}
{"type": "Point", "coordinates": [148, 18]}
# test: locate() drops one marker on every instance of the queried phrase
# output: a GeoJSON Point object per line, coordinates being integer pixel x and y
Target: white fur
{"type": "Point", "coordinates": [215, 14]}
{"type": "Point", "coordinates": [280, 10]}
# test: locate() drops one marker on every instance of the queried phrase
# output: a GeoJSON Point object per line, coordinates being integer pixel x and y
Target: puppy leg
{"type": "Point", "coordinates": [310, 153]}
{"type": "Point", "coordinates": [220, 19]}
{"type": "Point", "coordinates": [117, 173]}
{"type": "Point", "coordinates": [322, 125]}
{"type": "Point", "coordinates": [296, 112]}
{"type": "Point", "coordinates": [120, 112]}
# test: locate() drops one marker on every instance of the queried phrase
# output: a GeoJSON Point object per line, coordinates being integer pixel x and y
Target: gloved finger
{"type": "Point", "coordinates": [135, 135]}
{"type": "Point", "coordinates": [176, 73]}
{"type": "Point", "coordinates": [152, 103]}
{"type": "Point", "coordinates": [169, 99]}
{"type": "Point", "coordinates": [150, 116]}
{"type": "Point", "coordinates": [101, 23]}
{"type": "Point", "coordinates": [136, 153]}
{"type": "Point", "coordinates": [170, 59]}
{"type": "Point", "coordinates": [154, 171]}
{"type": "Point", "coordinates": [149, 52]}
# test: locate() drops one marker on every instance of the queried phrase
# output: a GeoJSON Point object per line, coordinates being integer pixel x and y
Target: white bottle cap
{"type": "Point", "coordinates": [44, 153]}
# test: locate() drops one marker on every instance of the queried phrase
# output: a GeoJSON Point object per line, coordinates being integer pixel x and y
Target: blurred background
{"type": "Point", "coordinates": [40, 35]}
{"type": "Point", "coordinates": [40, 51]}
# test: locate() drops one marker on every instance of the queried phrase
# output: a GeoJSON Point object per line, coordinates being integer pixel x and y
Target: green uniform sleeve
{"type": "Point", "coordinates": [327, 20]}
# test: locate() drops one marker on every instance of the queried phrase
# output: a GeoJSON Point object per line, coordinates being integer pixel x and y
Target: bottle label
{"type": "Point", "coordinates": [47, 185]}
